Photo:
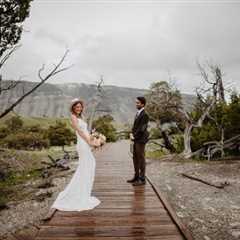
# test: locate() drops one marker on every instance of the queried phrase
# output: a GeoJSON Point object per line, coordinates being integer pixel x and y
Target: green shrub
{"type": "Point", "coordinates": [178, 143]}
{"type": "Point", "coordinates": [35, 128]}
{"type": "Point", "coordinates": [4, 131]}
{"type": "Point", "coordinates": [104, 125]}
{"type": "Point", "coordinates": [59, 134]}
{"type": "Point", "coordinates": [155, 133]}
{"type": "Point", "coordinates": [205, 134]}
{"type": "Point", "coordinates": [26, 141]}
{"type": "Point", "coordinates": [14, 123]}
{"type": "Point", "coordinates": [226, 115]}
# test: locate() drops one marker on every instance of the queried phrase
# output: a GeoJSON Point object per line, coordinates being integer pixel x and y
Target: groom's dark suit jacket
{"type": "Point", "coordinates": [139, 128]}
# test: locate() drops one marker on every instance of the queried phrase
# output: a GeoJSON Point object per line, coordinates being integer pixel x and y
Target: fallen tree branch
{"type": "Point", "coordinates": [157, 143]}
{"type": "Point", "coordinates": [211, 147]}
{"type": "Point", "coordinates": [222, 185]}
{"type": "Point", "coordinates": [58, 163]}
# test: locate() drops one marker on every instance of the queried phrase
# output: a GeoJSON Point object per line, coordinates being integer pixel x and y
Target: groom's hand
{"type": "Point", "coordinates": [131, 136]}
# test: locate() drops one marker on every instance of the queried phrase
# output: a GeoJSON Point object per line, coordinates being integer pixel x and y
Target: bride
{"type": "Point", "coordinates": [77, 194]}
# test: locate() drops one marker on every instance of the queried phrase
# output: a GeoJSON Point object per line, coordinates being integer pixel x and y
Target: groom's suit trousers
{"type": "Point", "coordinates": [139, 159]}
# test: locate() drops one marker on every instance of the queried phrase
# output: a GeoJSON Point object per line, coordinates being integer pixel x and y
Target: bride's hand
{"type": "Point", "coordinates": [96, 142]}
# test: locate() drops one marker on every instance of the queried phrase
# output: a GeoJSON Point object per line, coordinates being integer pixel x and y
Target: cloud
{"type": "Point", "coordinates": [132, 43]}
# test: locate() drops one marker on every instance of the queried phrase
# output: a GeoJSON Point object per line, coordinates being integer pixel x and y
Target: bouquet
{"type": "Point", "coordinates": [97, 138]}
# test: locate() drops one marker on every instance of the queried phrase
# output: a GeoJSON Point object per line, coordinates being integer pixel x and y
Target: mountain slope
{"type": "Point", "coordinates": [52, 100]}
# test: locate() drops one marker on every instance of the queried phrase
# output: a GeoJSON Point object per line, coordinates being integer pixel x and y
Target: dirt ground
{"type": "Point", "coordinates": [210, 213]}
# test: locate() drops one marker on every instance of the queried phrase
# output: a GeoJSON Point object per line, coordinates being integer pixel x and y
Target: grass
{"type": "Point", "coordinates": [157, 154]}
{"type": "Point", "coordinates": [19, 177]}
{"type": "Point", "coordinates": [153, 151]}
{"type": "Point", "coordinates": [11, 188]}
{"type": "Point", "coordinates": [44, 122]}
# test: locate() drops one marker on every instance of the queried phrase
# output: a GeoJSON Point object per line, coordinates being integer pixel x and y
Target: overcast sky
{"type": "Point", "coordinates": [132, 43]}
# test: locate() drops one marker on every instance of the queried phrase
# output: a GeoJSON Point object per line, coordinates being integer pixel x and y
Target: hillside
{"type": "Point", "coordinates": [52, 100]}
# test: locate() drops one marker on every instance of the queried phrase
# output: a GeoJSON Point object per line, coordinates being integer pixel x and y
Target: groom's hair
{"type": "Point", "coordinates": [142, 100]}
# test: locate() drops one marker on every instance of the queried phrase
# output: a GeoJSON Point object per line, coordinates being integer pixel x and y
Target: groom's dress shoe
{"type": "Point", "coordinates": [134, 179]}
{"type": "Point", "coordinates": [139, 182]}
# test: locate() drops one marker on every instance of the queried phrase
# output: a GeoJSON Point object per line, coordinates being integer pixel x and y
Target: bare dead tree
{"type": "Point", "coordinates": [96, 102]}
{"type": "Point", "coordinates": [55, 70]}
{"type": "Point", "coordinates": [215, 82]}
{"type": "Point", "coordinates": [209, 97]}
{"type": "Point", "coordinates": [212, 147]}
{"type": "Point", "coordinates": [219, 94]}
{"type": "Point", "coordinates": [189, 125]}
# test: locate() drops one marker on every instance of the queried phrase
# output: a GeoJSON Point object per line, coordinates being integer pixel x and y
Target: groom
{"type": "Point", "coordinates": [139, 136]}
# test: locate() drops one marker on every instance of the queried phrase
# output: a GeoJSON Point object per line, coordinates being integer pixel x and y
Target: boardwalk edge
{"type": "Point", "coordinates": [181, 226]}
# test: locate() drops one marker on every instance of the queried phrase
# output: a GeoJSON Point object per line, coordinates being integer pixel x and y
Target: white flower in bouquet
{"type": "Point", "coordinates": [98, 138]}
{"type": "Point", "coordinates": [102, 139]}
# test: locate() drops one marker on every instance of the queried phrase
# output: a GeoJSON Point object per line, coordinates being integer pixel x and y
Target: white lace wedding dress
{"type": "Point", "coordinates": [77, 194]}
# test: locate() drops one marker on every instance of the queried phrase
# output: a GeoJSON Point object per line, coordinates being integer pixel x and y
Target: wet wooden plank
{"type": "Point", "coordinates": [172, 237]}
{"type": "Point", "coordinates": [108, 231]}
{"type": "Point", "coordinates": [112, 220]}
{"type": "Point", "coordinates": [114, 212]}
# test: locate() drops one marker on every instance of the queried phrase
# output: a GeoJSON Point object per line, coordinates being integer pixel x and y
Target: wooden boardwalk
{"type": "Point", "coordinates": [125, 212]}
